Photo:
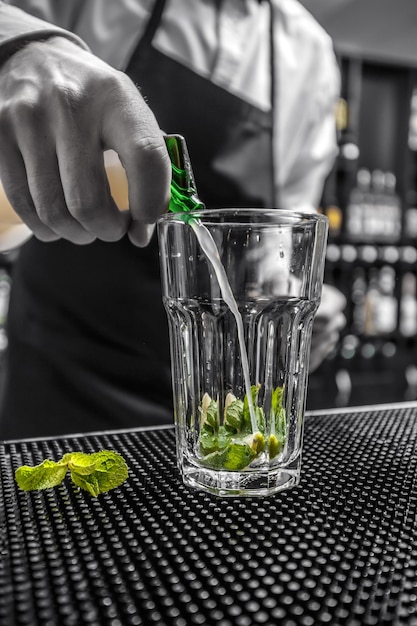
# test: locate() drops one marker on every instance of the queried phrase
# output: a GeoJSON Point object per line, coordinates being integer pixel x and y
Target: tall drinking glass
{"type": "Point", "coordinates": [241, 288]}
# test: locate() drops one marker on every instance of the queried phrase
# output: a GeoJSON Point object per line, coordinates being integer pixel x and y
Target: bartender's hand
{"type": "Point", "coordinates": [328, 324]}
{"type": "Point", "coordinates": [60, 107]}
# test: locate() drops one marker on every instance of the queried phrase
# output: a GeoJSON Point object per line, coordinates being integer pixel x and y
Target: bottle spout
{"type": "Point", "coordinates": [184, 197]}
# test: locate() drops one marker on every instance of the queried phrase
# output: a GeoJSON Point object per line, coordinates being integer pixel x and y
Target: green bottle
{"type": "Point", "coordinates": [183, 189]}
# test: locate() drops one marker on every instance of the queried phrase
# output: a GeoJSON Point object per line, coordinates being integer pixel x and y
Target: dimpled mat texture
{"type": "Point", "coordinates": [341, 548]}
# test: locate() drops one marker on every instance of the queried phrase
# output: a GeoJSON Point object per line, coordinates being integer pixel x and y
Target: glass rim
{"type": "Point", "coordinates": [291, 218]}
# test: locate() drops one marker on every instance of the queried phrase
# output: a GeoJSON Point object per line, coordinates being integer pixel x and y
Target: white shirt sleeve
{"type": "Point", "coordinates": [110, 28]}
{"type": "Point", "coordinates": [18, 27]}
{"type": "Point", "coordinates": [307, 86]}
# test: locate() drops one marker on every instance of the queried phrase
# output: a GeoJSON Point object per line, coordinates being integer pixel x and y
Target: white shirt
{"type": "Point", "coordinates": [232, 51]}
{"type": "Point", "coordinates": [230, 47]}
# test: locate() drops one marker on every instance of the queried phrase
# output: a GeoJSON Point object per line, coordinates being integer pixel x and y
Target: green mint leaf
{"type": "Point", "coordinates": [278, 435]}
{"type": "Point", "coordinates": [209, 415]}
{"type": "Point", "coordinates": [100, 472]}
{"type": "Point", "coordinates": [81, 462]}
{"type": "Point", "coordinates": [96, 473]}
{"type": "Point", "coordinates": [208, 442]}
{"type": "Point", "coordinates": [233, 446]}
{"type": "Point", "coordinates": [277, 398]}
{"type": "Point", "coordinates": [213, 416]}
{"type": "Point", "coordinates": [246, 413]}
{"type": "Point", "coordinates": [43, 476]}
{"type": "Point", "coordinates": [236, 456]}
{"type": "Point", "coordinates": [281, 423]}
{"type": "Point", "coordinates": [88, 483]}
{"type": "Point", "coordinates": [260, 419]}
{"type": "Point", "coordinates": [233, 419]}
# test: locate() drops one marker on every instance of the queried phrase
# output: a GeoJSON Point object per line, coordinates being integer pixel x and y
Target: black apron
{"type": "Point", "coordinates": [88, 334]}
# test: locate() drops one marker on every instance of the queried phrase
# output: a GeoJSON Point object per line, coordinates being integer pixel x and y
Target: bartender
{"type": "Point", "coordinates": [251, 85]}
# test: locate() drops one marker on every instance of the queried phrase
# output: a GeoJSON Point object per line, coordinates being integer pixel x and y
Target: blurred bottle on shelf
{"type": "Point", "coordinates": [411, 380]}
{"type": "Point", "coordinates": [335, 217]}
{"type": "Point", "coordinates": [342, 115]}
{"type": "Point", "coordinates": [386, 315]}
{"type": "Point", "coordinates": [408, 305]}
{"type": "Point", "coordinates": [375, 218]}
{"type": "Point", "coordinates": [391, 210]}
{"type": "Point", "coordinates": [372, 303]}
{"type": "Point", "coordinates": [410, 216]}
{"type": "Point", "coordinates": [412, 127]}
{"type": "Point", "coordinates": [381, 305]}
{"type": "Point", "coordinates": [348, 144]}
{"type": "Point", "coordinates": [374, 209]}
{"type": "Point", "coordinates": [330, 205]}
{"type": "Point", "coordinates": [359, 199]}
{"type": "Point", "coordinates": [410, 223]}
{"type": "Point", "coordinates": [344, 387]}
{"type": "Point", "coordinates": [358, 298]}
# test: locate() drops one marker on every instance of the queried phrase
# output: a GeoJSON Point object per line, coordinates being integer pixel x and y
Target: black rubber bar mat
{"type": "Point", "coordinates": [339, 549]}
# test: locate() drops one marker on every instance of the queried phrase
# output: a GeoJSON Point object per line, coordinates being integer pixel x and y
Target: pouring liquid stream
{"type": "Point", "coordinates": [209, 248]}
{"type": "Point", "coordinates": [184, 198]}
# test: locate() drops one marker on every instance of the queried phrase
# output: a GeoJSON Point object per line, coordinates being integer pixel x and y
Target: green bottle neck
{"type": "Point", "coordinates": [183, 190]}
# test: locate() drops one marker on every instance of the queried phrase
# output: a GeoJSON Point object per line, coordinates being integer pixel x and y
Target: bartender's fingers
{"type": "Point", "coordinates": [86, 188]}
{"type": "Point", "coordinates": [132, 131]}
{"type": "Point", "coordinates": [78, 121]}
{"type": "Point", "coordinates": [44, 183]}
{"type": "Point", "coordinates": [15, 184]}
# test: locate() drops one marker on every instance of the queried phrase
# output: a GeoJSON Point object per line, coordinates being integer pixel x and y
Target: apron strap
{"type": "Point", "coordinates": [151, 26]}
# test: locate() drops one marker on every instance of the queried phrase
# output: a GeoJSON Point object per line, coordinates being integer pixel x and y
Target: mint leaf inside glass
{"type": "Point", "coordinates": [226, 440]}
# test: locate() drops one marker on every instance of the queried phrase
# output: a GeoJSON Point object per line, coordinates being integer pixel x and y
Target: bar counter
{"type": "Point", "coordinates": [341, 548]}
